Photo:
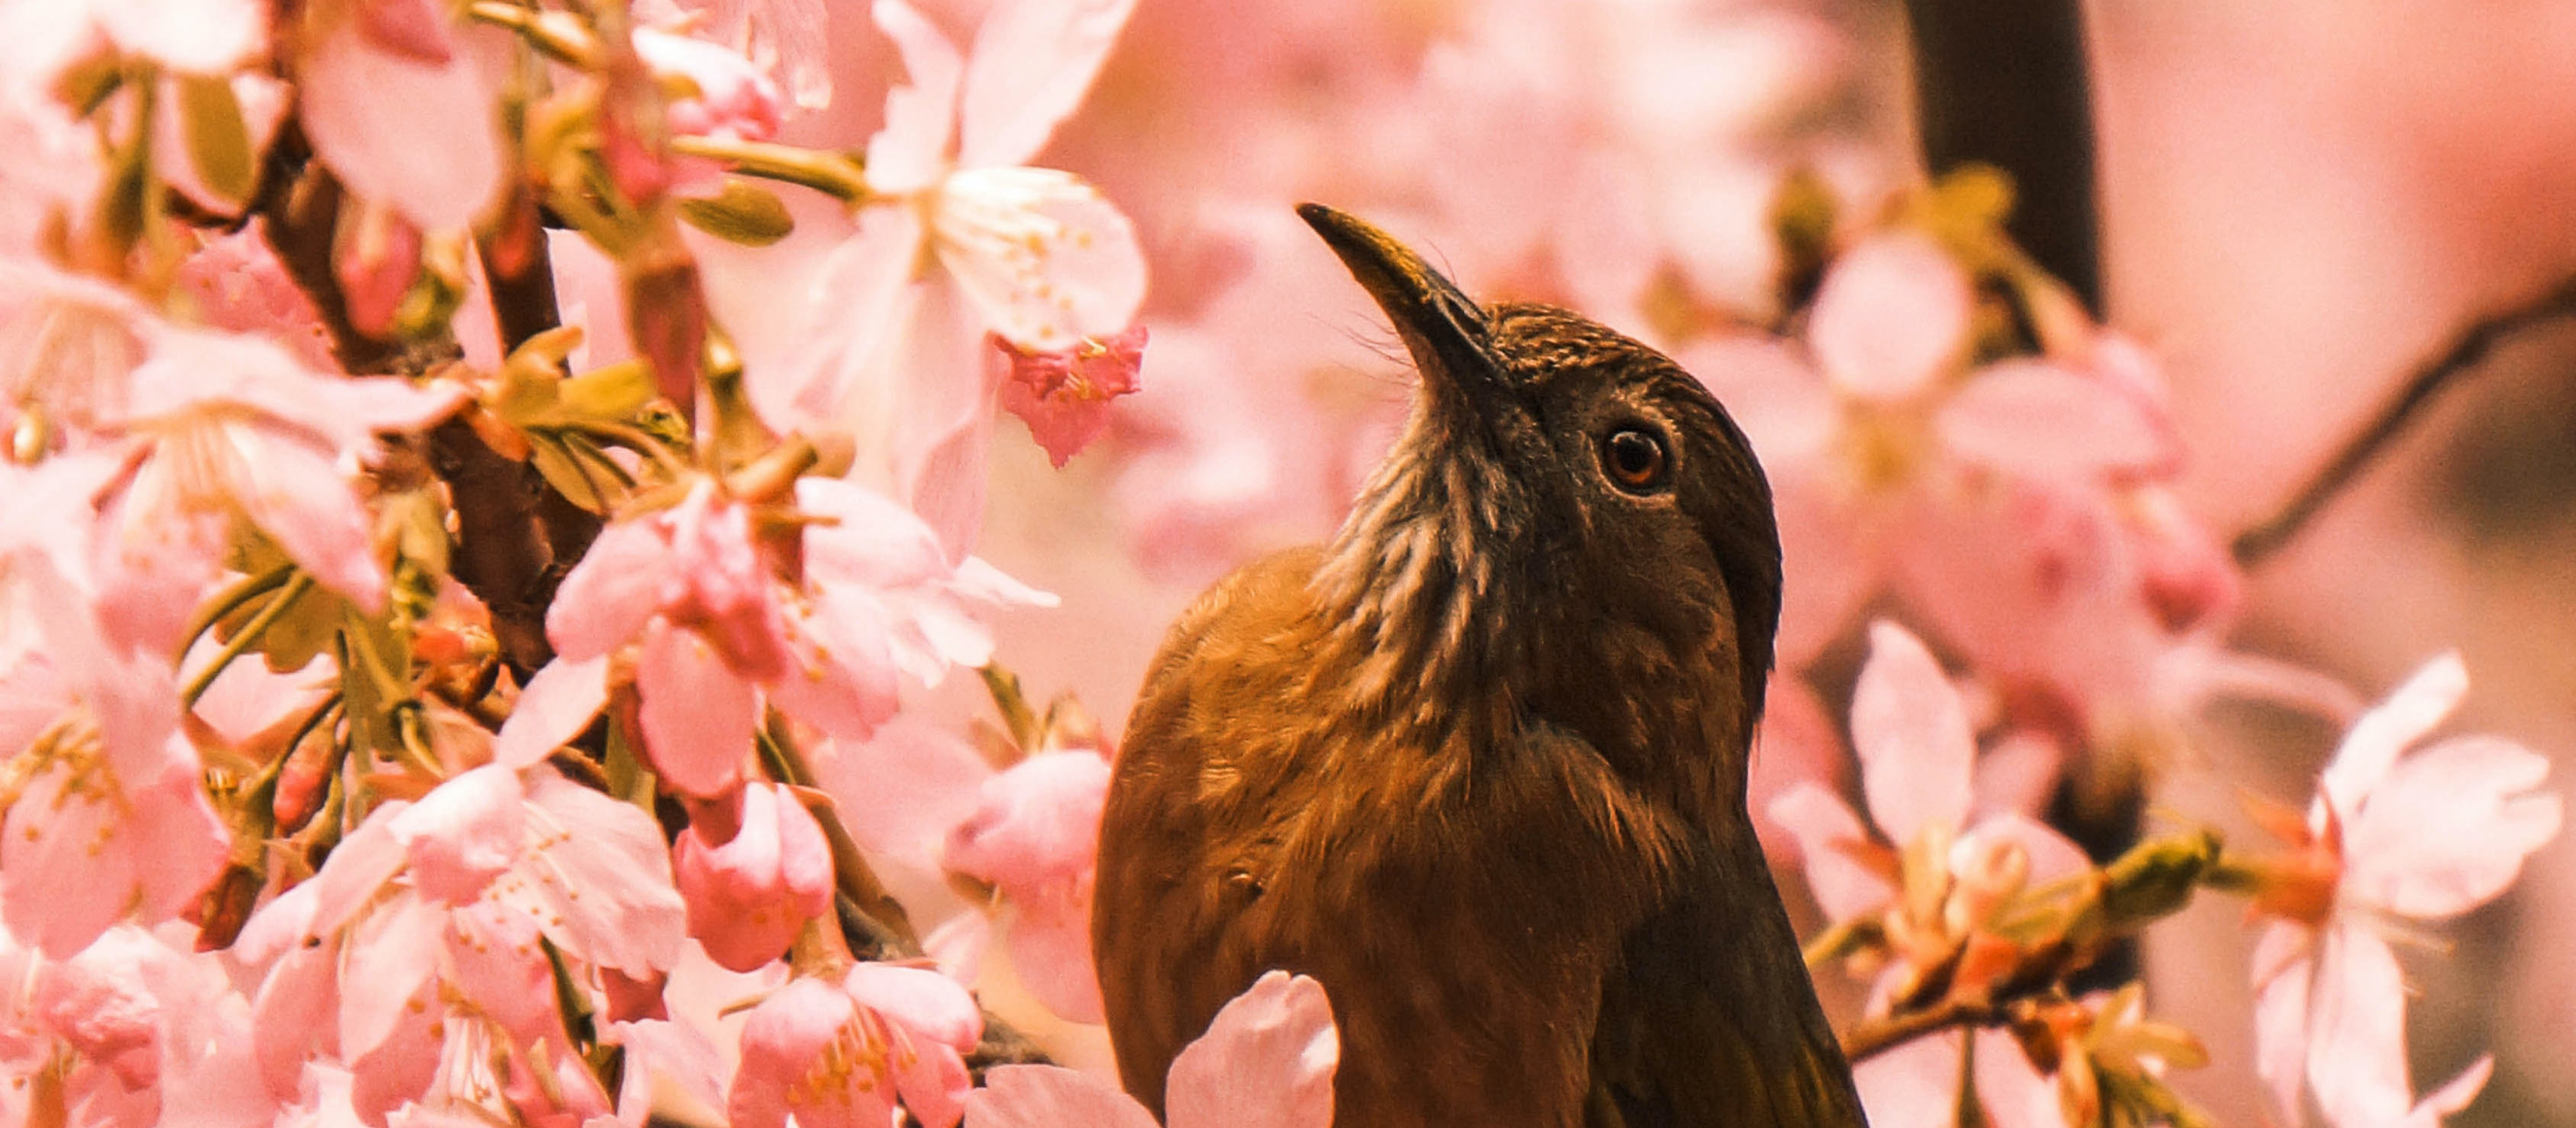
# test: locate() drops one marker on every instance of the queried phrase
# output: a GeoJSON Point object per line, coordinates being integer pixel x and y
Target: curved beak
{"type": "Point", "coordinates": [1447, 333]}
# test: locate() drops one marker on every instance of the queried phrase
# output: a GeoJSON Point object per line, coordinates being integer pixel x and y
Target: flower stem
{"type": "Point", "coordinates": [242, 639]}
{"type": "Point", "coordinates": [839, 175]}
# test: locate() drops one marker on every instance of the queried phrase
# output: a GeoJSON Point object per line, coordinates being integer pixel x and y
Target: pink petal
{"type": "Point", "coordinates": [902, 789]}
{"type": "Point", "coordinates": [2014, 1092]}
{"type": "Point", "coordinates": [2448, 828]}
{"type": "Point", "coordinates": [749, 896]}
{"type": "Point", "coordinates": [2357, 1031]}
{"type": "Point", "coordinates": [1046, 259]}
{"type": "Point", "coordinates": [1915, 1085]}
{"type": "Point", "coordinates": [781, 1072]}
{"type": "Point", "coordinates": [59, 889]}
{"type": "Point", "coordinates": [463, 834]}
{"type": "Point", "coordinates": [2283, 966]}
{"type": "Point", "coordinates": [1032, 63]}
{"type": "Point", "coordinates": [604, 601]}
{"type": "Point", "coordinates": [697, 714]}
{"type": "Point", "coordinates": [298, 496]}
{"type": "Point", "coordinates": [1267, 1061]}
{"type": "Point", "coordinates": [557, 704]}
{"type": "Point", "coordinates": [417, 135]}
{"type": "Point", "coordinates": [930, 1005]}
{"type": "Point", "coordinates": [2375, 741]}
{"type": "Point", "coordinates": [180, 845]}
{"type": "Point", "coordinates": [199, 36]}
{"type": "Point", "coordinates": [857, 314]}
{"type": "Point", "coordinates": [1051, 951]}
{"type": "Point", "coordinates": [599, 875]}
{"type": "Point", "coordinates": [1038, 824]}
{"type": "Point", "coordinates": [388, 962]}
{"type": "Point", "coordinates": [1064, 396]}
{"type": "Point", "coordinates": [355, 872]}
{"type": "Point", "coordinates": [2031, 417]}
{"type": "Point", "coordinates": [1826, 832]}
{"type": "Point", "coordinates": [910, 153]}
{"type": "Point", "coordinates": [2052, 855]}
{"type": "Point", "coordinates": [841, 675]}
{"type": "Point", "coordinates": [1911, 730]}
{"type": "Point", "coordinates": [498, 966]}
{"type": "Point", "coordinates": [1045, 1096]}
{"type": "Point", "coordinates": [1891, 317]}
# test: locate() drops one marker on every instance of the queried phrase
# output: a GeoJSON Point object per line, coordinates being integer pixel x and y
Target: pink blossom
{"type": "Point", "coordinates": [111, 820]}
{"type": "Point", "coordinates": [224, 426]}
{"type": "Point", "coordinates": [1918, 759]}
{"type": "Point", "coordinates": [132, 1025]}
{"type": "Point", "coordinates": [2392, 835]}
{"type": "Point", "coordinates": [839, 1055]}
{"type": "Point", "coordinates": [787, 36]}
{"type": "Point", "coordinates": [718, 632]}
{"type": "Point", "coordinates": [444, 900]}
{"type": "Point", "coordinates": [750, 893]}
{"type": "Point", "coordinates": [730, 96]}
{"type": "Point", "coordinates": [1033, 839]}
{"type": "Point", "coordinates": [960, 239]}
{"type": "Point", "coordinates": [399, 107]}
{"type": "Point", "coordinates": [1064, 395]}
{"type": "Point", "coordinates": [1266, 1061]}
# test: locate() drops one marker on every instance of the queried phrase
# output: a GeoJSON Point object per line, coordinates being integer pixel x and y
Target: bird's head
{"type": "Point", "coordinates": [1559, 479]}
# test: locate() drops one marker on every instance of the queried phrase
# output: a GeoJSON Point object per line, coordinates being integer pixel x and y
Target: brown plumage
{"type": "Point", "coordinates": [1479, 764]}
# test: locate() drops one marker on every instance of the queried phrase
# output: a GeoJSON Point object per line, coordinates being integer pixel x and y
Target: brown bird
{"type": "Point", "coordinates": [1478, 765]}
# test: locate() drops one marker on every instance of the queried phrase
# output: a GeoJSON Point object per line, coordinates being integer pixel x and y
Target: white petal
{"type": "Point", "coordinates": [1045, 258]}
{"type": "Point", "coordinates": [1033, 61]}
{"type": "Point", "coordinates": [2448, 828]}
{"type": "Point", "coordinates": [2376, 740]}
{"type": "Point", "coordinates": [1911, 731]}
{"type": "Point", "coordinates": [906, 155]}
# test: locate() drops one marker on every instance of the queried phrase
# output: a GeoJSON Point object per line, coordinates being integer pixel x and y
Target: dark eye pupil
{"type": "Point", "coordinates": [1636, 457]}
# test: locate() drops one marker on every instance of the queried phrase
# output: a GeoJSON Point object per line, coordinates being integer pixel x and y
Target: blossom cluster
{"type": "Point", "coordinates": [492, 485]}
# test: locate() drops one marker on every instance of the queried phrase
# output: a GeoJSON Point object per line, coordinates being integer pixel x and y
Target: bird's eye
{"type": "Point", "coordinates": [1636, 458]}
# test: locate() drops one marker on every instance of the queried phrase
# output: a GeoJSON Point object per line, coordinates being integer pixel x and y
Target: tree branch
{"type": "Point", "coordinates": [2466, 350]}
{"type": "Point", "coordinates": [2003, 82]}
{"type": "Point", "coordinates": [1876, 1036]}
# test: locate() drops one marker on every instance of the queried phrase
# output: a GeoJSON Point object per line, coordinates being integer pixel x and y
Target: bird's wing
{"type": "Point", "coordinates": [1167, 900]}
{"type": "Point", "coordinates": [1707, 1020]}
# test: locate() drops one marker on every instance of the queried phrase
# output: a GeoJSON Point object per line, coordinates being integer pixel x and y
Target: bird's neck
{"type": "Point", "coordinates": [1419, 612]}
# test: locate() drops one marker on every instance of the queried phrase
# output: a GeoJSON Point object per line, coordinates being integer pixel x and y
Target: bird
{"type": "Point", "coordinates": [1478, 764]}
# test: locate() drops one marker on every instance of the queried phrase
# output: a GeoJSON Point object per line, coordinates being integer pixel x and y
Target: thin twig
{"type": "Point", "coordinates": [2465, 351]}
{"type": "Point", "coordinates": [242, 639]}
{"type": "Point", "coordinates": [1879, 1035]}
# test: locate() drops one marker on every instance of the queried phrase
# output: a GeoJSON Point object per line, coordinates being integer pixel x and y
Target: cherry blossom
{"type": "Point", "coordinates": [131, 1026]}
{"type": "Point", "coordinates": [960, 238]}
{"type": "Point", "coordinates": [1032, 839]}
{"type": "Point", "coordinates": [397, 103]}
{"type": "Point", "coordinates": [1064, 396]}
{"type": "Point", "coordinates": [422, 930]}
{"type": "Point", "coordinates": [2395, 834]}
{"type": "Point", "coordinates": [1266, 1061]}
{"type": "Point", "coordinates": [1934, 878]}
{"type": "Point", "coordinates": [752, 890]}
{"type": "Point", "coordinates": [839, 1054]}
{"type": "Point", "coordinates": [718, 633]}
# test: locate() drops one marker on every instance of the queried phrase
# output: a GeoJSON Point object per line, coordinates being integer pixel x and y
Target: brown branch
{"type": "Point", "coordinates": [2004, 83]}
{"type": "Point", "coordinates": [2465, 350]}
{"type": "Point", "coordinates": [1879, 1035]}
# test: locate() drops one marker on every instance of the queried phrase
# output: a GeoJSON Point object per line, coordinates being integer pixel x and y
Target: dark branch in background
{"type": "Point", "coordinates": [2006, 83]}
{"type": "Point", "coordinates": [2003, 82]}
{"type": "Point", "coordinates": [2465, 351]}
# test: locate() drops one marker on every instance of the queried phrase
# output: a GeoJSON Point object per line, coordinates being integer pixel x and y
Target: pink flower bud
{"type": "Point", "coordinates": [749, 894]}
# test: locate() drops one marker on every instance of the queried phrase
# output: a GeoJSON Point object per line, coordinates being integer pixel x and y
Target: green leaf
{"type": "Point", "coordinates": [743, 213]}
{"type": "Point", "coordinates": [613, 392]}
{"type": "Point", "coordinates": [579, 484]}
{"type": "Point", "coordinates": [218, 140]}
